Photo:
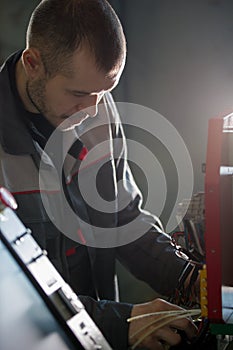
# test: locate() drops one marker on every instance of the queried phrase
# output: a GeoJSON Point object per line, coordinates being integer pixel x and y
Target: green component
{"type": "Point", "coordinates": [224, 329]}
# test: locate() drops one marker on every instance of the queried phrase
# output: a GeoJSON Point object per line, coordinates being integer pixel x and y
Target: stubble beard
{"type": "Point", "coordinates": [36, 94]}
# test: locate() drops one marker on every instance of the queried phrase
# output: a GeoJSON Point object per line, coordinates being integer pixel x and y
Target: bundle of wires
{"type": "Point", "coordinates": [165, 317]}
{"type": "Point", "coordinates": [187, 295]}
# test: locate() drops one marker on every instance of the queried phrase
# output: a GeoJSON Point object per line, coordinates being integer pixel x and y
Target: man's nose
{"type": "Point", "coordinates": [91, 105]}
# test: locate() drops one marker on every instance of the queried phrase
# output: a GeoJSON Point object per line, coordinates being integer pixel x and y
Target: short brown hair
{"type": "Point", "coordinates": [57, 28]}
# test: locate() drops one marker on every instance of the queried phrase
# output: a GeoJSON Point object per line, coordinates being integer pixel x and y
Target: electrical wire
{"type": "Point", "coordinates": [193, 312]}
{"type": "Point", "coordinates": [154, 329]}
{"type": "Point", "coordinates": [168, 316]}
{"type": "Point", "coordinates": [154, 321]}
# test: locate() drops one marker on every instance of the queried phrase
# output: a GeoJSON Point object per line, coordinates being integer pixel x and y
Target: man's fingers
{"type": "Point", "coordinates": [186, 325]}
{"type": "Point", "coordinates": [168, 336]}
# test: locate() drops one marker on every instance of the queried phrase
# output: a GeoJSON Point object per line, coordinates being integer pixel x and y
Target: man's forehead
{"type": "Point", "coordinates": [89, 78]}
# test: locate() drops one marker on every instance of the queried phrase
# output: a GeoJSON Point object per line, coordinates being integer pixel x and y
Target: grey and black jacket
{"type": "Point", "coordinates": [150, 257]}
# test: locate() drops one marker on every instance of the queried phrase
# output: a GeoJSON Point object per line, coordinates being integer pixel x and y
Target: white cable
{"type": "Point", "coordinates": [194, 312]}
{"type": "Point", "coordinates": [171, 315]}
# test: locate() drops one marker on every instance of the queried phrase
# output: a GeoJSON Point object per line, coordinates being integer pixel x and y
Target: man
{"type": "Point", "coordinates": [74, 57]}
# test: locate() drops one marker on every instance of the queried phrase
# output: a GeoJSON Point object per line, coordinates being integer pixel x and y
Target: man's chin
{"type": "Point", "coordinates": [68, 128]}
{"type": "Point", "coordinates": [71, 122]}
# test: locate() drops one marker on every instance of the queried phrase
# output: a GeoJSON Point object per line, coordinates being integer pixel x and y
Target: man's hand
{"type": "Point", "coordinates": [162, 328]}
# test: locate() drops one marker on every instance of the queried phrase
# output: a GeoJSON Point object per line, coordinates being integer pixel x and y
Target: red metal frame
{"type": "Point", "coordinates": [212, 218]}
{"type": "Point", "coordinates": [218, 216]}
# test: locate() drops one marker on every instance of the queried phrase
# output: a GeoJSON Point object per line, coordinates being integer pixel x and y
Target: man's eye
{"type": "Point", "coordinates": [77, 94]}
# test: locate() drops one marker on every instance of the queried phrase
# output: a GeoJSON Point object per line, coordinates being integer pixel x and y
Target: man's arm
{"type": "Point", "coordinates": [153, 259]}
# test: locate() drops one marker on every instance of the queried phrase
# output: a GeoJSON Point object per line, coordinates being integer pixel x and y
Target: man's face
{"type": "Point", "coordinates": [60, 97]}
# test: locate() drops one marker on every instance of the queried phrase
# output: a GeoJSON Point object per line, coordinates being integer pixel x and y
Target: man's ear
{"type": "Point", "coordinates": [32, 62]}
